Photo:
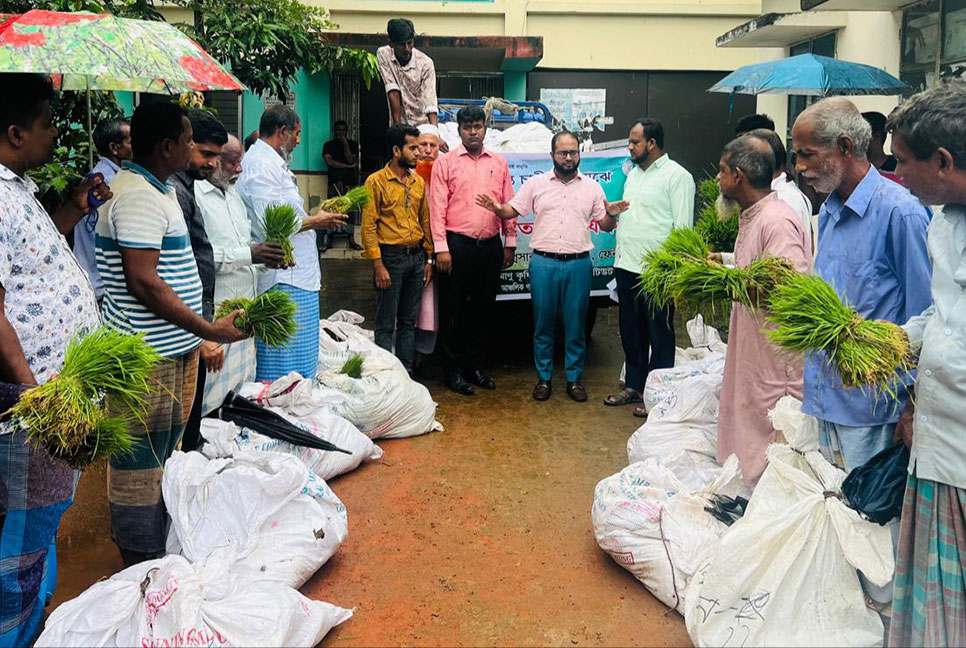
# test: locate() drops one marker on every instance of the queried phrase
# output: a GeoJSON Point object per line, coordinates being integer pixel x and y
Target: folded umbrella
{"type": "Point", "coordinates": [241, 411]}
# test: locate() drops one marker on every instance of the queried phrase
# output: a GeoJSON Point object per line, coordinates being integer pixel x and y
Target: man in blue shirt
{"type": "Point", "coordinates": [872, 250]}
{"type": "Point", "coordinates": [112, 139]}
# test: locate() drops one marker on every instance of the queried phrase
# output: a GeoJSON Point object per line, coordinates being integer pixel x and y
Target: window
{"type": "Point", "coordinates": [933, 42]}
{"type": "Point", "coordinates": [822, 46]}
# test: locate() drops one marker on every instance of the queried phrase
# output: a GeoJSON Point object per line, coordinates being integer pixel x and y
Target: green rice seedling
{"type": "Point", "coordinates": [810, 317]}
{"type": "Point", "coordinates": [719, 233]}
{"type": "Point", "coordinates": [270, 317]}
{"type": "Point", "coordinates": [281, 222]}
{"type": "Point", "coordinates": [67, 416]}
{"type": "Point", "coordinates": [353, 367]}
{"type": "Point", "coordinates": [355, 198]}
{"type": "Point", "coordinates": [660, 265]}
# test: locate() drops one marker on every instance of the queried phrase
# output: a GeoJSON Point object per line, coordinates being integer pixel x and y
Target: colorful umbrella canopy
{"type": "Point", "coordinates": [810, 74]}
{"type": "Point", "coordinates": [103, 52]}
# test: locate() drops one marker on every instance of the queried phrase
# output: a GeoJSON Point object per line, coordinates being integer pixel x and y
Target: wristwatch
{"type": "Point", "coordinates": [431, 261]}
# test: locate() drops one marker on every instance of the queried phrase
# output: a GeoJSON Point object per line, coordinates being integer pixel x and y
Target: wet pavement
{"type": "Point", "coordinates": [481, 534]}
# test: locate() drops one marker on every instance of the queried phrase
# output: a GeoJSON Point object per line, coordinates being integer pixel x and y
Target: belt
{"type": "Point", "coordinates": [569, 256]}
{"type": "Point", "coordinates": [474, 241]}
{"type": "Point", "coordinates": [397, 250]}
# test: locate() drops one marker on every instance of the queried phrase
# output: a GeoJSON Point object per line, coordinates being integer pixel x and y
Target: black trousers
{"type": "Point", "coordinates": [467, 299]}
{"type": "Point", "coordinates": [643, 328]}
{"type": "Point", "coordinates": [191, 437]}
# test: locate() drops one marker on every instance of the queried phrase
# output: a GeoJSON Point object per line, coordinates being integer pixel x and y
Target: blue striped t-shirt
{"type": "Point", "coordinates": [144, 214]}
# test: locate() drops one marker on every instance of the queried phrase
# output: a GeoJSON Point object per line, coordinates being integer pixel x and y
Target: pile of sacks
{"type": "Point", "coordinates": [786, 571]}
{"type": "Point", "coordinates": [532, 137]}
{"type": "Point", "coordinates": [252, 517]}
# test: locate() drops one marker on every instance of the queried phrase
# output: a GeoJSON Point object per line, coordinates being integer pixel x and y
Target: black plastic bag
{"type": "Point", "coordinates": [875, 489]}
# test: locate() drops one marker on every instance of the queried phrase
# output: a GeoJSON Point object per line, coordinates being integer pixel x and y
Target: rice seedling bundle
{"type": "Point", "coordinates": [355, 198]}
{"type": "Point", "coordinates": [270, 317]}
{"type": "Point", "coordinates": [659, 265]}
{"type": "Point", "coordinates": [281, 222]}
{"type": "Point", "coordinates": [810, 317]}
{"type": "Point", "coordinates": [353, 367]}
{"type": "Point", "coordinates": [68, 416]}
{"type": "Point", "coordinates": [720, 234]}
{"type": "Point", "coordinates": [703, 283]}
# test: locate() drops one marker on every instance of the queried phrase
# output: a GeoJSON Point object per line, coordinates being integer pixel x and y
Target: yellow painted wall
{"type": "Point", "coordinates": [584, 34]}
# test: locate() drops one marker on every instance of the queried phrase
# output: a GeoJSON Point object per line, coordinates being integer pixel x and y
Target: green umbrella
{"type": "Point", "coordinates": [85, 51]}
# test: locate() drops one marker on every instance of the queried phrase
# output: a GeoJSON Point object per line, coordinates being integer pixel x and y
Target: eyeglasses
{"type": "Point", "coordinates": [568, 154]}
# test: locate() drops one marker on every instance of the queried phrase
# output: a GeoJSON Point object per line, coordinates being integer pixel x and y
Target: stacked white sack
{"type": "Point", "coordinates": [786, 572]}
{"type": "Point", "coordinates": [170, 602]}
{"type": "Point", "coordinates": [268, 510]}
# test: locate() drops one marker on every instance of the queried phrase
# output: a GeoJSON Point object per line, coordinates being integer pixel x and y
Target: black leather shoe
{"type": "Point", "coordinates": [541, 391]}
{"type": "Point", "coordinates": [480, 379]}
{"type": "Point", "coordinates": [458, 384]}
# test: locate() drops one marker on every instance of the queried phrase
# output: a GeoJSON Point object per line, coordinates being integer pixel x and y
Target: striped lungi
{"type": "Point", "coordinates": [35, 490]}
{"type": "Point", "coordinates": [301, 354]}
{"type": "Point", "coordinates": [929, 602]}
{"type": "Point", "coordinates": [238, 368]}
{"type": "Point", "coordinates": [138, 516]}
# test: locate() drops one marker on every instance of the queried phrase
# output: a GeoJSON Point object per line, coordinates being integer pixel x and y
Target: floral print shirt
{"type": "Point", "coordinates": [48, 297]}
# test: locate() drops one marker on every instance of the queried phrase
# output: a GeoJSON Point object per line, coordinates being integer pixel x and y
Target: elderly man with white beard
{"type": "Point", "coordinates": [872, 250]}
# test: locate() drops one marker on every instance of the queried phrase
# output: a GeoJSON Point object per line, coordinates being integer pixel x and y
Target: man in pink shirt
{"type": "Point", "coordinates": [469, 252]}
{"type": "Point", "coordinates": [562, 203]}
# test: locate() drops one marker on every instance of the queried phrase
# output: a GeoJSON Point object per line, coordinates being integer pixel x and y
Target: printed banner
{"type": "Point", "coordinates": [609, 168]}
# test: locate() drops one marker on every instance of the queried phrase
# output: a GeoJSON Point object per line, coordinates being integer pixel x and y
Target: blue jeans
{"type": "Point", "coordinates": [560, 289]}
{"type": "Point", "coordinates": [398, 305]}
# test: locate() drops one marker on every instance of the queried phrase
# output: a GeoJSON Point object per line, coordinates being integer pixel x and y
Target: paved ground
{"type": "Point", "coordinates": [479, 535]}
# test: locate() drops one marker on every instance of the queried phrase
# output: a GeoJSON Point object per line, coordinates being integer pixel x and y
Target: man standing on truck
{"type": "Point", "coordinates": [562, 203]}
{"type": "Point", "coordinates": [469, 252]}
{"type": "Point", "coordinates": [661, 194]}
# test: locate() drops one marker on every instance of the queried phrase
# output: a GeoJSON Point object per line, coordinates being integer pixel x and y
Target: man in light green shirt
{"type": "Point", "coordinates": [661, 197]}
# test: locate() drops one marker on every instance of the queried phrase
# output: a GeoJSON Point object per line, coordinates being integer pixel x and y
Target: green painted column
{"type": "Point", "coordinates": [126, 101]}
{"type": "Point", "coordinates": [514, 85]}
{"type": "Point", "coordinates": [314, 109]}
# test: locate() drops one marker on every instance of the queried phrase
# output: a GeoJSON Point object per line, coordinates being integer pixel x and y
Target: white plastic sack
{"type": "Point", "coordinates": [339, 341]}
{"type": "Point", "coordinates": [223, 439]}
{"type": "Point", "coordinates": [291, 392]}
{"type": "Point", "coordinates": [384, 405]}
{"type": "Point", "coordinates": [785, 573]}
{"type": "Point", "coordinates": [705, 336]}
{"type": "Point", "coordinates": [652, 525]}
{"type": "Point", "coordinates": [169, 602]}
{"type": "Point", "coordinates": [799, 430]}
{"type": "Point", "coordinates": [273, 514]}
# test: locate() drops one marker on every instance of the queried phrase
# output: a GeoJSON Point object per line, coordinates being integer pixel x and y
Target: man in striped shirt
{"type": "Point", "coordinates": [152, 288]}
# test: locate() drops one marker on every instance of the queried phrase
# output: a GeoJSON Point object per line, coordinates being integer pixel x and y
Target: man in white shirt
{"type": "Point", "coordinates": [929, 599]}
{"type": "Point", "coordinates": [788, 192]}
{"type": "Point", "coordinates": [236, 275]}
{"type": "Point", "coordinates": [266, 180]}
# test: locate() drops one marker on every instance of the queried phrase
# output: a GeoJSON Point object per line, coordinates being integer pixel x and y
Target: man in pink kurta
{"type": "Point", "coordinates": [469, 252]}
{"type": "Point", "coordinates": [757, 373]}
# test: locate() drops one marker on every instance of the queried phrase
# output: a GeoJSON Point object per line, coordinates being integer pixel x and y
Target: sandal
{"type": "Point", "coordinates": [640, 412]}
{"type": "Point", "coordinates": [625, 396]}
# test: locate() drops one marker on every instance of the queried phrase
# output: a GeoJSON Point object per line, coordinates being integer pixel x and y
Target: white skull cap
{"type": "Point", "coordinates": [428, 128]}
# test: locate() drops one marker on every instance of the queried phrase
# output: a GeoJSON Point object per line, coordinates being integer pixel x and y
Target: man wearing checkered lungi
{"type": "Point", "coordinates": [152, 288]}
{"type": "Point", "coordinates": [266, 180]}
{"type": "Point", "coordinates": [929, 602]}
{"type": "Point", "coordinates": [45, 300]}
{"type": "Point", "coordinates": [236, 272]}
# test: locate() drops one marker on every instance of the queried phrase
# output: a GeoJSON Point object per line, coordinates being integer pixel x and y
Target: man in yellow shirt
{"type": "Point", "coordinates": [396, 236]}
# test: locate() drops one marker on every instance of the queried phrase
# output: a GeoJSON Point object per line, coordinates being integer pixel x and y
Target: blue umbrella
{"type": "Point", "coordinates": [809, 74]}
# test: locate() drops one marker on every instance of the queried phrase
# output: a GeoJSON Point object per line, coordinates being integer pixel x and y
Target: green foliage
{"type": "Point", "coordinates": [266, 42]}
{"type": "Point", "coordinates": [355, 198]}
{"type": "Point", "coordinates": [69, 416]}
{"type": "Point", "coordinates": [280, 223]}
{"type": "Point", "coordinates": [810, 317]}
{"type": "Point", "coordinates": [353, 367]}
{"type": "Point", "coordinates": [720, 234]}
{"type": "Point", "coordinates": [270, 317]}
{"type": "Point", "coordinates": [659, 265]}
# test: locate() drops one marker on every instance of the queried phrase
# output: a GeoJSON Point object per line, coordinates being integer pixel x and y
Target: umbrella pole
{"type": "Point", "coordinates": [90, 132]}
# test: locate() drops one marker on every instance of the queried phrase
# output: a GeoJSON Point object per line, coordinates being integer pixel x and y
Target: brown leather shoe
{"type": "Point", "coordinates": [577, 392]}
{"type": "Point", "coordinates": [541, 391]}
